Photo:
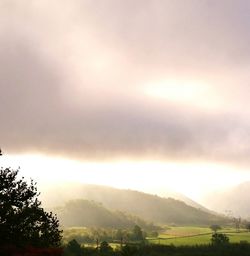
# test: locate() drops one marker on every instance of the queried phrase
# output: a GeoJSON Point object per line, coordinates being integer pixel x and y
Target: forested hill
{"type": "Point", "coordinates": [146, 206]}
{"type": "Point", "coordinates": [86, 213]}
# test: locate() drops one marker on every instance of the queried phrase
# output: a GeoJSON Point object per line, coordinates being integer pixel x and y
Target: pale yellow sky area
{"type": "Point", "coordinates": [195, 180]}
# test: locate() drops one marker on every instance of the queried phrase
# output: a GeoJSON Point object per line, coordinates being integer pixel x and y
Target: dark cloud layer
{"type": "Point", "coordinates": [71, 81]}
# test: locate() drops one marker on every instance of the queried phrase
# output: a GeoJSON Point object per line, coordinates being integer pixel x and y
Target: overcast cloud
{"type": "Point", "coordinates": [74, 77]}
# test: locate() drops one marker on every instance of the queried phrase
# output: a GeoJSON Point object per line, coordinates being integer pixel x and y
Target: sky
{"type": "Point", "coordinates": [157, 90]}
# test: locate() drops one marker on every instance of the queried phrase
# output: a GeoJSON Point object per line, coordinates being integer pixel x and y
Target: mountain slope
{"type": "Point", "coordinates": [185, 199]}
{"type": "Point", "coordinates": [147, 206]}
{"type": "Point", "coordinates": [234, 201]}
{"type": "Point", "coordinates": [86, 213]}
{"type": "Point", "coordinates": [101, 193]}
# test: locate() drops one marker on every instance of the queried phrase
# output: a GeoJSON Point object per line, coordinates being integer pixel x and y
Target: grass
{"type": "Point", "coordinates": [178, 236]}
{"type": "Point", "coordinates": [197, 236]}
{"type": "Point", "coordinates": [185, 231]}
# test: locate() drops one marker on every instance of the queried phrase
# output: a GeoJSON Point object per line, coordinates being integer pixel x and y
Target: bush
{"type": "Point", "coordinates": [73, 248]}
{"type": "Point", "coordinates": [219, 239]}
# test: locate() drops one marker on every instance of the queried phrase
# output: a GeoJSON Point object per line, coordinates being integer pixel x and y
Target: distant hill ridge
{"type": "Point", "coordinates": [146, 206]}
{"type": "Point", "coordinates": [234, 201]}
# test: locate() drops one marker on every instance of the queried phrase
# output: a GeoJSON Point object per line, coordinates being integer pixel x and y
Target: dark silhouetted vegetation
{"type": "Point", "coordinates": [105, 248]}
{"type": "Point", "coordinates": [73, 248]}
{"type": "Point", "coordinates": [248, 226]}
{"type": "Point", "coordinates": [23, 222]}
{"type": "Point", "coordinates": [241, 249]}
{"type": "Point", "coordinates": [219, 239]}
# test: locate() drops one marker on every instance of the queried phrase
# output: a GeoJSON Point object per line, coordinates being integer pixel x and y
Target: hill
{"type": "Point", "coordinates": [234, 201]}
{"type": "Point", "coordinates": [70, 191]}
{"type": "Point", "coordinates": [86, 213]}
{"type": "Point", "coordinates": [149, 207]}
{"type": "Point", "coordinates": [185, 199]}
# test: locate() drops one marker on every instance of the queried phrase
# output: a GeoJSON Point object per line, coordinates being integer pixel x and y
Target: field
{"type": "Point", "coordinates": [183, 241]}
{"type": "Point", "coordinates": [177, 236]}
{"type": "Point", "coordinates": [197, 236]}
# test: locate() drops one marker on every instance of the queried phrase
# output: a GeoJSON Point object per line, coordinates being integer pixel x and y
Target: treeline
{"type": "Point", "coordinates": [104, 249]}
{"type": "Point", "coordinates": [85, 213]}
{"type": "Point", "coordinates": [242, 249]}
{"type": "Point", "coordinates": [94, 235]}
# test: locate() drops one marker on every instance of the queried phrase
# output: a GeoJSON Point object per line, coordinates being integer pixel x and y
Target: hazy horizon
{"type": "Point", "coordinates": [162, 179]}
{"type": "Point", "coordinates": [146, 95]}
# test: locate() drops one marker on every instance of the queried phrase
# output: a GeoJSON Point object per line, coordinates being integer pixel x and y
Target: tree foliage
{"type": "Point", "coordinates": [248, 226]}
{"type": "Point", "coordinates": [137, 233]}
{"type": "Point", "coordinates": [215, 227]}
{"type": "Point", "coordinates": [23, 222]}
{"type": "Point", "coordinates": [73, 248]}
{"type": "Point", "coordinates": [219, 239]}
{"type": "Point", "coordinates": [105, 248]}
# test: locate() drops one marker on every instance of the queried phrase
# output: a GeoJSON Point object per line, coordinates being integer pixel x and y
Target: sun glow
{"type": "Point", "coordinates": [192, 179]}
{"type": "Point", "coordinates": [192, 93]}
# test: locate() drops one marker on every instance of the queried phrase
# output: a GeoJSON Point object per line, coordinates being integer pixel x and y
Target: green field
{"type": "Point", "coordinates": [197, 236]}
{"type": "Point", "coordinates": [178, 236]}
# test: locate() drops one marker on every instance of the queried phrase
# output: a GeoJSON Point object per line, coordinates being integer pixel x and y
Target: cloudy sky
{"type": "Point", "coordinates": [149, 86]}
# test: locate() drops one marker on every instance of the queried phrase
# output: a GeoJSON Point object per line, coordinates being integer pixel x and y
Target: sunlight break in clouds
{"type": "Point", "coordinates": [182, 91]}
{"type": "Point", "coordinates": [192, 179]}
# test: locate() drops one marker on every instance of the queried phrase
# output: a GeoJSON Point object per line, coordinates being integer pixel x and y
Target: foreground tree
{"type": "Point", "coordinates": [23, 222]}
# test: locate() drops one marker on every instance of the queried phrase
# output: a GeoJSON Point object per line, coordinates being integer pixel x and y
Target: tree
{"type": "Point", "coordinates": [105, 248]}
{"type": "Point", "coordinates": [248, 226]}
{"type": "Point", "coordinates": [137, 233]}
{"type": "Point", "coordinates": [237, 222]}
{"type": "Point", "coordinates": [154, 234]}
{"type": "Point", "coordinates": [23, 222]}
{"type": "Point", "coordinates": [119, 235]}
{"type": "Point", "coordinates": [219, 239]}
{"type": "Point", "coordinates": [73, 248]}
{"type": "Point", "coordinates": [215, 227]}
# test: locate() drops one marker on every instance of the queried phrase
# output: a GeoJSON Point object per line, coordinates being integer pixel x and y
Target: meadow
{"type": "Point", "coordinates": [190, 235]}
{"type": "Point", "coordinates": [172, 241]}
{"type": "Point", "coordinates": [177, 236]}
